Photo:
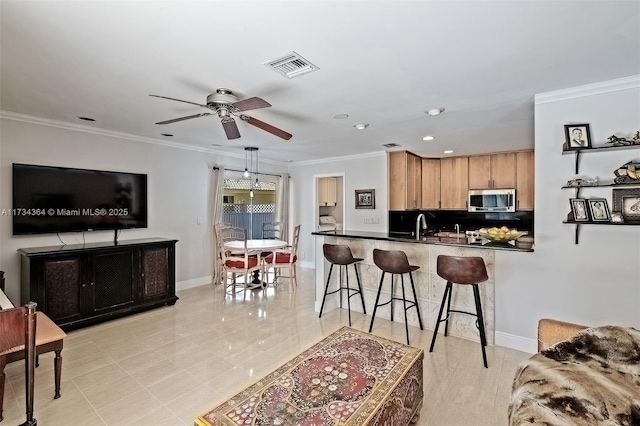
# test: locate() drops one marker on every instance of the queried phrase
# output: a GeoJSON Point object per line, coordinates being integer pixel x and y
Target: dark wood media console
{"type": "Point", "coordinates": [83, 284]}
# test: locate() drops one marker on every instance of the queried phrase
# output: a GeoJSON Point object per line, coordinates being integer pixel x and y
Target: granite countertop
{"type": "Point", "coordinates": [428, 239]}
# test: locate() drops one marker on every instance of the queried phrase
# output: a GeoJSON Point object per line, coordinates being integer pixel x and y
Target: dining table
{"type": "Point", "coordinates": [255, 247]}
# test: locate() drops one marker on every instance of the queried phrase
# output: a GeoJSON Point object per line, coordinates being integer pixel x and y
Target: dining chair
{"type": "Point", "coordinates": [217, 227]}
{"type": "Point", "coordinates": [238, 261]}
{"type": "Point", "coordinates": [18, 335]}
{"type": "Point", "coordinates": [49, 338]}
{"type": "Point", "coordinates": [285, 259]}
{"type": "Point", "coordinates": [272, 230]}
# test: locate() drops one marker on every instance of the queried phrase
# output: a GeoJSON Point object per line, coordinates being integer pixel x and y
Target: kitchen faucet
{"type": "Point", "coordinates": [418, 221]}
{"type": "Point", "coordinates": [457, 228]}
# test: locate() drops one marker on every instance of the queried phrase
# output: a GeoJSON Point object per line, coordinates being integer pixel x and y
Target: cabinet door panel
{"type": "Point", "coordinates": [332, 191]}
{"type": "Point", "coordinates": [113, 280]}
{"type": "Point", "coordinates": [155, 273]}
{"type": "Point", "coordinates": [430, 183]}
{"type": "Point", "coordinates": [62, 288]}
{"type": "Point", "coordinates": [414, 182]}
{"type": "Point", "coordinates": [503, 170]}
{"type": "Point", "coordinates": [480, 172]}
{"type": "Point", "coordinates": [454, 179]}
{"type": "Point", "coordinates": [397, 170]}
{"type": "Point", "coordinates": [525, 178]}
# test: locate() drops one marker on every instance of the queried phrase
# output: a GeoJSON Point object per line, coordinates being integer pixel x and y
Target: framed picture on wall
{"type": "Point", "coordinates": [579, 209]}
{"type": "Point", "coordinates": [577, 136]}
{"type": "Point", "coordinates": [365, 198]}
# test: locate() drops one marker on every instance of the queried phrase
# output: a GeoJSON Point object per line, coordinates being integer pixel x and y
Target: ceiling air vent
{"type": "Point", "coordinates": [291, 65]}
{"type": "Point", "coordinates": [390, 145]}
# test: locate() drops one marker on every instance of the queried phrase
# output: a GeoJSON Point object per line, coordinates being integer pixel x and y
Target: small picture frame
{"type": "Point", "coordinates": [577, 136]}
{"type": "Point", "coordinates": [365, 198]}
{"type": "Point", "coordinates": [579, 209]}
{"type": "Point", "coordinates": [616, 217]}
{"type": "Point", "coordinates": [631, 208]}
{"type": "Point", "coordinates": [599, 210]}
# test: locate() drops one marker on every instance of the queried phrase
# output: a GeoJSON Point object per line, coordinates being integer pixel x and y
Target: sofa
{"type": "Point", "coordinates": [580, 376]}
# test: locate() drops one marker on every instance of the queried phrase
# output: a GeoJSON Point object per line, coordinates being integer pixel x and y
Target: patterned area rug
{"type": "Point", "coordinates": [348, 378]}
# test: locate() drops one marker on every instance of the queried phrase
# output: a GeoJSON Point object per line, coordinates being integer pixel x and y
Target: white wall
{"type": "Point", "coordinates": [178, 179]}
{"type": "Point", "coordinates": [596, 282]}
{"type": "Point", "coordinates": [360, 172]}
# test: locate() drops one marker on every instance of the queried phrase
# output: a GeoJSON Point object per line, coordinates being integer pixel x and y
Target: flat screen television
{"type": "Point", "coordinates": [49, 199]}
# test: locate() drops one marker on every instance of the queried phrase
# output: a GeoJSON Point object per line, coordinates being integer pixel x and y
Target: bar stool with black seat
{"type": "Point", "coordinates": [465, 271]}
{"type": "Point", "coordinates": [395, 262]}
{"type": "Point", "coordinates": [338, 254]}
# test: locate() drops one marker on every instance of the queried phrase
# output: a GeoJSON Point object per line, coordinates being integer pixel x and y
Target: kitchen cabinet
{"type": "Point", "coordinates": [405, 180]}
{"type": "Point", "coordinates": [454, 182]}
{"type": "Point", "coordinates": [430, 183]}
{"type": "Point", "coordinates": [327, 191]}
{"type": "Point", "coordinates": [80, 285]}
{"type": "Point", "coordinates": [525, 178]}
{"type": "Point", "coordinates": [492, 171]}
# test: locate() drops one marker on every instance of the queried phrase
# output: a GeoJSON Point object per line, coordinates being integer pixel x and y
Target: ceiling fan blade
{"type": "Point", "coordinates": [230, 128]}
{"type": "Point", "coordinates": [179, 100]}
{"type": "Point", "coordinates": [251, 103]}
{"type": "Point", "coordinates": [184, 118]}
{"type": "Point", "coordinates": [267, 127]}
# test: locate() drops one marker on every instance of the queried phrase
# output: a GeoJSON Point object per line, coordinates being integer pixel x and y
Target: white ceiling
{"type": "Point", "coordinates": [383, 63]}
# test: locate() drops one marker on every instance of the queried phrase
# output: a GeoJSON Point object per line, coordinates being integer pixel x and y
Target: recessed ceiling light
{"type": "Point", "coordinates": [428, 138]}
{"type": "Point", "coordinates": [86, 118]}
{"type": "Point", "coordinates": [435, 111]}
{"type": "Point", "coordinates": [449, 151]}
{"type": "Point", "coordinates": [361, 126]}
{"type": "Point", "coordinates": [167, 134]}
{"type": "Point", "coordinates": [341, 116]}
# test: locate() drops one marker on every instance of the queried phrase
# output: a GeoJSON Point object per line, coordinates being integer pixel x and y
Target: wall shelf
{"type": "Point", "coordinates": [577, 153]}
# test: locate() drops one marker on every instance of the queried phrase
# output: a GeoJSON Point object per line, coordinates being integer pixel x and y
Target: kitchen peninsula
{"type": "Point", "coordinates": [422, 252]}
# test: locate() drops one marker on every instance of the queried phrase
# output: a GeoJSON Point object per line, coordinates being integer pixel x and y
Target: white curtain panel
{"type": "Point", "coordinates": [282, 205]}
{"type": "Point", "coordinates": [217, 191]}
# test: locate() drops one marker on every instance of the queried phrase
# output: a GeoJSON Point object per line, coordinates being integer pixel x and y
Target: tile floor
{"type": "Point", "coordinates": [169, 365]}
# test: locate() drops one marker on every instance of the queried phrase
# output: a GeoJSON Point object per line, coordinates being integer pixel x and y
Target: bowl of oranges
{"type": "Point", "coordinates": [501, 235]}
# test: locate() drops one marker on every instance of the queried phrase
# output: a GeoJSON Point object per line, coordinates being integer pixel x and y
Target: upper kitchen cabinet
{"type": "Point", "coordinates": [405, 180]}
{"type": "Point", "coordinates": [525, 172]}
{"type": "Point", "coordinates": [430, 183]}
{"type": "Point", "coordinates": [492, 171]}
{"type": "Point", "coordinates": [454, 182]}
{"type": "Point", "coordinates": [327, 191]}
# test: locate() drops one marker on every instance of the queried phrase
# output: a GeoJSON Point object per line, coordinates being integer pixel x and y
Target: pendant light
{"type": "Point", "coordinates": [246, 170]}
{"type": "Point", "coordinates": [251, 168]}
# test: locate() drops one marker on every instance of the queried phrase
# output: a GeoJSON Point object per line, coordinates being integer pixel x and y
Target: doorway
{"type": "Point", "coordinates": [330, 205]}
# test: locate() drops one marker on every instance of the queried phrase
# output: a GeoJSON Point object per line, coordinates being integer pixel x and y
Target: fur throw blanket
{"type": "Point", "coordinates": [591, 379]}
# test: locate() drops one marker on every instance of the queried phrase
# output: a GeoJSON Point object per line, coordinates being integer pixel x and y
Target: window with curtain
{"type": "Point", "coordinates": [248, 204]}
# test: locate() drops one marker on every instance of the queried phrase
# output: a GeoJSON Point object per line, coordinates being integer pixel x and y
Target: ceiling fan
{"type": "Point", "coordinates": [225, 104]}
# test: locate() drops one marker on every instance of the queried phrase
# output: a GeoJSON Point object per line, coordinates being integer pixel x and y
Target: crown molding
{"type": "Point", "coordinates": [7, 115]}
{"type": "Point", "coordinates": [334, 159]}
{"type": "Point", "coordinates": [609, 86]}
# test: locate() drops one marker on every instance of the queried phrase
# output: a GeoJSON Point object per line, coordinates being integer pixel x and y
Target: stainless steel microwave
{"type": "Point", "coordinates": [492, 200]}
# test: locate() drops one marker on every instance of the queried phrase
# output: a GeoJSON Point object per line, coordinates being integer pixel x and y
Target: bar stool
{"type": "Point", "coordinates": [395, 262]}
{"type": "Point", "coordinates": [467, 271]}
{"type": "Point", "coordinates": [341, 255]}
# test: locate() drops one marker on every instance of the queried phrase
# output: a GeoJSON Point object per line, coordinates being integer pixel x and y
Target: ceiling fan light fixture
{"type": "Point", "coordinates": [435, 111]}
{"type": "Point", "coordinates": [428, 138]}
{"type": "Point", "coordinates": [361, 126]}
